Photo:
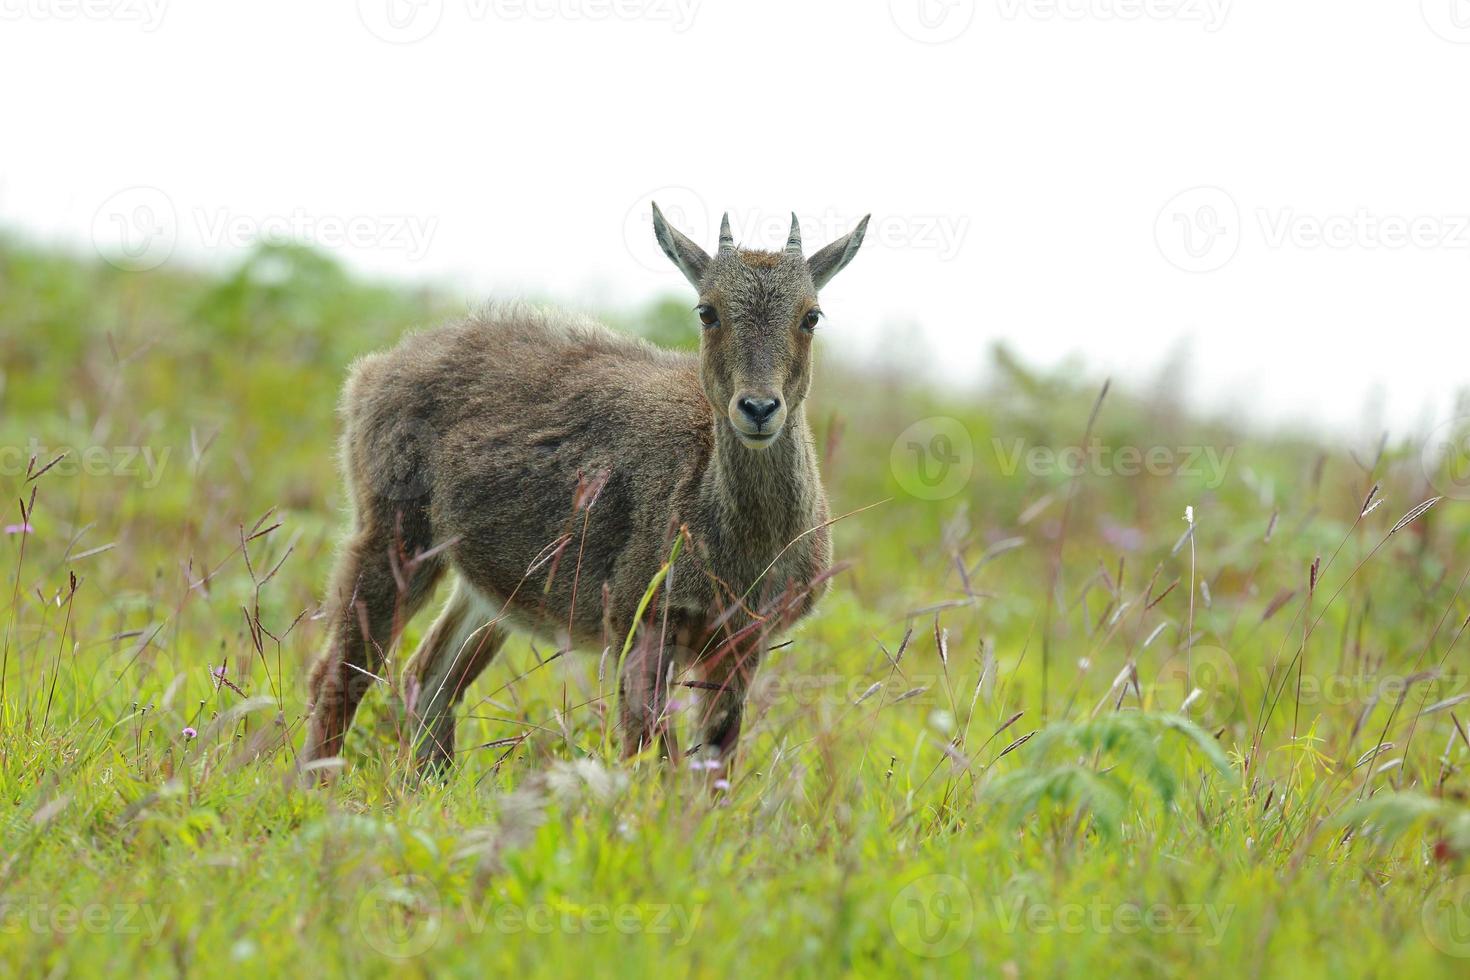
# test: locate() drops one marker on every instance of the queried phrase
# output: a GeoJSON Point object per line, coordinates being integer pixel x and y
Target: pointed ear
{"type": "Point", "coordinates": [689, 257]}
{"type": "Point", "coordinates": [833, 258]}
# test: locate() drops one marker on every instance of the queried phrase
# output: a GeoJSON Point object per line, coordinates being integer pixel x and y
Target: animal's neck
{"type": "Point", "coordinates": [766, 496]}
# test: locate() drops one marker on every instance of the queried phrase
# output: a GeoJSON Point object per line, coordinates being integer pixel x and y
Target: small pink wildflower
{"type": "Point", "coordinates": [24, 528]}
{"type": "Point", "coordinates": [189, 732]}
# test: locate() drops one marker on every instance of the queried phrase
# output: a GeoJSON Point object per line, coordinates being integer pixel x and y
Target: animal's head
{"type": "Point", "coordinates": [757, 312]}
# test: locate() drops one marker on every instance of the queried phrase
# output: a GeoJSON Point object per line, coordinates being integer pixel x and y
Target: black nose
{"type": "Point", "coordinates": [758, 410]}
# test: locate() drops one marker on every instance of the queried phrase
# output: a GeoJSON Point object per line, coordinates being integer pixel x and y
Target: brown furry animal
{"type": "Point", "coordinates": [554, 466]}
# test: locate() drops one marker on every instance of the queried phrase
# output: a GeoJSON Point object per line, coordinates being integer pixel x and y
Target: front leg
{"type": "Point", "coordinates": [725, 677]}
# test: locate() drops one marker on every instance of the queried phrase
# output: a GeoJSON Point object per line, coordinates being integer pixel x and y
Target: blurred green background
{"type": "Point", "coordinates": [1219, 723]}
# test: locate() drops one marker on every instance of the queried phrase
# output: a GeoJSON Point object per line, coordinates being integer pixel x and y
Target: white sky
{"type": "Point", "coordinates": [1025, 175]}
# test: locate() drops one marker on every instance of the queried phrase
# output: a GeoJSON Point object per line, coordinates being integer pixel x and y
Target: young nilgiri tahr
{"type": "Point", "coordinates": [555, 467]}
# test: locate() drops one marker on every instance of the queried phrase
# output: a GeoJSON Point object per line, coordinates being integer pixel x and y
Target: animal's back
{"type": "Point", "coordinates": [524, 356]}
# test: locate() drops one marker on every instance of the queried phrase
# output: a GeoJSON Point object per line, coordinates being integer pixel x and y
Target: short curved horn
{"type": "Point", "coordinates": [727, 240]}
{"type": "Point", "coordinates": [793, 241]}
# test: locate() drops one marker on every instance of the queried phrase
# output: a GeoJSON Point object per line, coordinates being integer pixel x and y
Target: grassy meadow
{"type": "Point", "coordinates": [1042, 726]}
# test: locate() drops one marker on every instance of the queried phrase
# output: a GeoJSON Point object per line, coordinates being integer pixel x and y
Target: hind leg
{"type": "Point", "coordinates": [643, 691]}
{"type": "Point", "coordinates": [458, 647]}
{"type": "Point", "coordinates": [375, 591]}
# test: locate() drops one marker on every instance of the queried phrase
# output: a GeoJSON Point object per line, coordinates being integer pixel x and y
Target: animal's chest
{"type": "Point", "coordinates": [756, 574]}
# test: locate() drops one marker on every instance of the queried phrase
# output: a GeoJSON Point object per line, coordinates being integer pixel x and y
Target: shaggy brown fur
{"type": "Point", "coordinates": [551, 463]}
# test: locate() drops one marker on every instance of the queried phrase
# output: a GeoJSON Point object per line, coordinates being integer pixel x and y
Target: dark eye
{"type": "Point", "coordinates": [707, 315]}
{"type": "Point", "coordinates": [809, 322]}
